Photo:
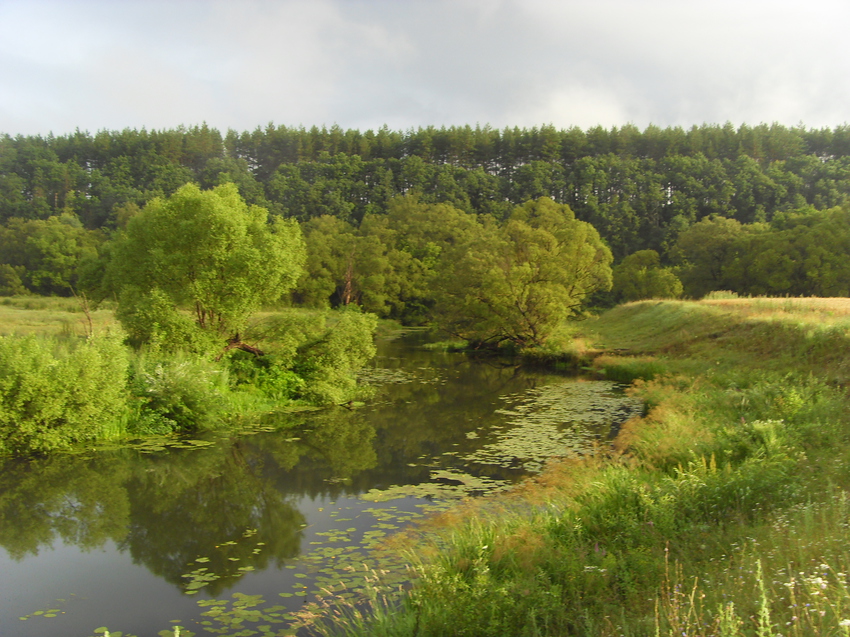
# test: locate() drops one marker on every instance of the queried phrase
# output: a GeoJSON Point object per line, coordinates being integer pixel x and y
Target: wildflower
{"type": "Point", "coordinates": [845, 623]}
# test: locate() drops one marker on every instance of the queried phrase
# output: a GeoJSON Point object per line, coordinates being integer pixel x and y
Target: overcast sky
{"type": "Point", "coordinates": [408, 63]}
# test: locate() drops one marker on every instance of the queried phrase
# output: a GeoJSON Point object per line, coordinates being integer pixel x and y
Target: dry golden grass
{"type": "Point", "coordinates": [808, 309]}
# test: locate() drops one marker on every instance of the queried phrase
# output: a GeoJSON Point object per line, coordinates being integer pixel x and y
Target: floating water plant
{"type": "Point", "coordinates": [555, 420]}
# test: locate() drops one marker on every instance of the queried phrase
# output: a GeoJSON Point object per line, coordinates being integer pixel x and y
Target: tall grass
{"type": "Point", "coordinates": [22, 315]}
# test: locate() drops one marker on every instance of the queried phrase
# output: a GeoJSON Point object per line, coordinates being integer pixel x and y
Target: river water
{"type": "Point", "coordinates": [234, 532]}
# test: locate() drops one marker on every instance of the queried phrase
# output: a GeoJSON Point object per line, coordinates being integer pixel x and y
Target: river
{"type": "Point", "coordinates": [236, 531]}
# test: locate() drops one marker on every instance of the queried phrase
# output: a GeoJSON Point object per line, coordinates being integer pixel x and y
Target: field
{"type": "Point", "coordinates": [23, 315]}
{"type": "Point", "coordinates": [820, 310]}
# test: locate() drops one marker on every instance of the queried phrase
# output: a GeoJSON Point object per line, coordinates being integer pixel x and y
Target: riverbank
{"type": "Point", "coordinates": [723, 511]}
{"type": "Point", "coordinates": [69, 380]}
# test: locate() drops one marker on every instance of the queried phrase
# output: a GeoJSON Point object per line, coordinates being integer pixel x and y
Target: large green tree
{"type": "Point", "coordinates": [704, 252]}
{"type": "Point", "coordinates": [416, 234]}
{"type": "Point", "coordinates": [344, 267]}
{"type": "Point", "coordinates": [516, 282]}
{"type": "Point", "coordinates": [190, 269]}
{"type": "Point", "coordinates": [47, 255]}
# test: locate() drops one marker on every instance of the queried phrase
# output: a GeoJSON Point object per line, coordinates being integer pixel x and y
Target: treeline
{"type": "Point", "coordinates": [640, 189]}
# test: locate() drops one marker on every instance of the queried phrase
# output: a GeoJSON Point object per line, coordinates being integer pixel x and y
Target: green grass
{"type": "Point", "coordinates": [724, 511]}
{"type": "Point", "coordinates": [21, 315]}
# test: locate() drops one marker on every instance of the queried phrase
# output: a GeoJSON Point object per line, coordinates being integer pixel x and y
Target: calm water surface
{"type": "Point", "coordinates": [139, 540]}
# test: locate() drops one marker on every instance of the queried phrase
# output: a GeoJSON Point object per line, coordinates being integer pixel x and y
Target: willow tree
{"type": "Point", "coordinates": [191, 269]}
{"type": "Point", "coordinates": [517, 281]}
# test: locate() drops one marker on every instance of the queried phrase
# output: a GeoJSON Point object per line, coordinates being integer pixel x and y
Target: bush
{"type": "Point", "coordinates": [182, 393]}
{"type": "Point", "coordinates": [54, 393]}
{"type": "Point", "coordinates": [152, 319]}
{"type": "Point", "coordinates": [329, 365]}
{"type": "Point", "coordinates": [267, 375]}
{"type": "Point", "coordinates": [10, 280]}
{"type": "Point", "coordinates": [323, 350]}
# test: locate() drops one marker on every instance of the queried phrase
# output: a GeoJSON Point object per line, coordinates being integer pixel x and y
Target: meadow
{"type": "Point", "coordinates": [51, 315]}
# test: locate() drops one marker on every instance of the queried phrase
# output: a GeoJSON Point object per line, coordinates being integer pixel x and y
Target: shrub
{"type": "Point", "coordinates": [267, 374]}
{"type": "Point", "coordinates": [330, 364]}
{"type": "Point", "coordinates": [323, 350]}
{"type": "Point", "coordinates": [152, 319]}
{"type": "Point", "coordinates": [54, 393]}
{"type": "Point", "coordinates": [182, 393]}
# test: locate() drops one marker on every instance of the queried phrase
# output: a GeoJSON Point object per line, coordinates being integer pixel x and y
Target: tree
{"type": "Point", "coordinates": [640, 276]}
{"type": "Point", "coordinates": [704, 252]}
{"type": "Point", "coordinates": [518, 281]}
{"type": "Point", "coordinates": [343, 267]}
{"type": "Point", "coordinates": [47, 254]}
{"type": "Point", "coordinates": [192, 268]}
{"type": "Point", "coordinates": [415, 235]}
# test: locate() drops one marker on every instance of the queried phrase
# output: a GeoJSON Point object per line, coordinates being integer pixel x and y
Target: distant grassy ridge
{"type": "Point", "coordinates": [723, 511]}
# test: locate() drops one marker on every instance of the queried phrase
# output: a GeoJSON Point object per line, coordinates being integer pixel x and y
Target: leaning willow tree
{"type": "Point", "coordinates": [515, 282]}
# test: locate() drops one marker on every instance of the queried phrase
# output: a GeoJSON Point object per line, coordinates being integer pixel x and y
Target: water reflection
{"type": "Point", "coordinates": [219, 507]}
{"type": "Point", "coordinates": [211, 519]}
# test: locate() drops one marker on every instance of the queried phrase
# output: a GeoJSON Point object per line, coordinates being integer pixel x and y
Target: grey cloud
{"type": "Point", "coordinates": [364, 63]}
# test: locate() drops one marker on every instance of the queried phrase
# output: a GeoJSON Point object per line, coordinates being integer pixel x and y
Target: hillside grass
{"type": "Point", "coordinates": [723, 511]}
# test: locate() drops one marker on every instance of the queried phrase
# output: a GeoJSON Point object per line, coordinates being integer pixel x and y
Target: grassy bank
{"type": "Point", "coordinates": [67, 377]}
{"type": "Point", "coordinates": [723, 511]}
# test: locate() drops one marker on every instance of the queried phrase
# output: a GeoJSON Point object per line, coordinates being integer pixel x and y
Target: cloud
{"type": "Point", "coordinates": [362, 63]}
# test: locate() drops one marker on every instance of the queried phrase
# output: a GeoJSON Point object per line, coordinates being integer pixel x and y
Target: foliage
{"type": "Point", "coordinates": [179, 393]}
{"type": "Point", "coordinates": [517, 282]}
{"type": "Point", "coordinates": [323, 350]}
{"type": "Point", "coordinates": [205, 251]}
{"type": "Point", "coordinates": [639, 188]}
{"type": "Point", "coordinates": [46, 255]}
{"type": "Point", "coordinates": [54, 393]}
{"type": "Point", "coordinates": [343, 267]}
{"type": "Point", "coordinates": [640, 276]}
{"type": "Point", "coordinates": [11, 281]}
{"type": "Point", "coordinates": [269, 375]}
{"type": "Point", "coordinates": [704, 250]}
{"type": "Point", "coordinates": [798, 254]}
{"type": "Point", "coordinates": [311, 358]}
{"type": "Point", "coordinates": [417, 235]}
{"type": "Point", "coordinates": [388, 264]}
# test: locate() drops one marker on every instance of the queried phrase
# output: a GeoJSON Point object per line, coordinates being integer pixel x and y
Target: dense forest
{"type": "Point", "coordinates": [638, 188]}
{"type": "Point", "coordinates": [745, 209]}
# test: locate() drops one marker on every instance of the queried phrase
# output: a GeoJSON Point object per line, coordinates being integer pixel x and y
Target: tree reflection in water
{"type": "Point", "coordinates": [234, 504]}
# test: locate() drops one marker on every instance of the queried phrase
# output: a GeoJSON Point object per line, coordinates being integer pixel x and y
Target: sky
{"type": "Point", "coordinates": [98, 64]}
